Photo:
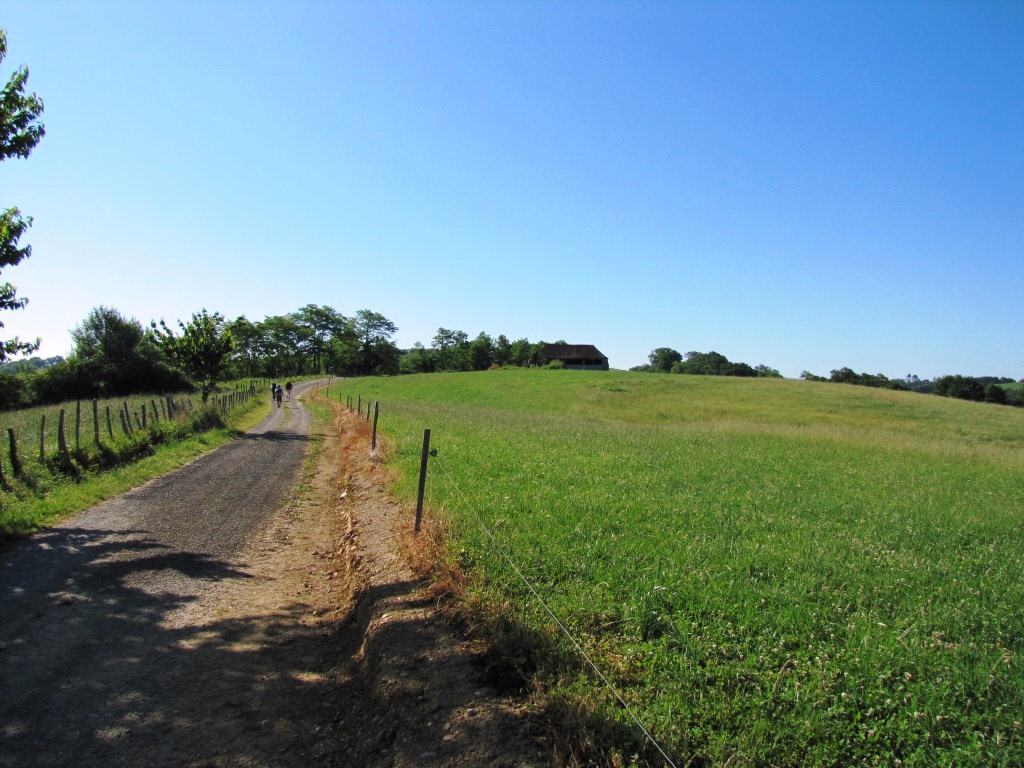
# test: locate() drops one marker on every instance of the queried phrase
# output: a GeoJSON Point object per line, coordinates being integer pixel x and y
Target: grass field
{"type": "Point", "coordinates": [770, 572]}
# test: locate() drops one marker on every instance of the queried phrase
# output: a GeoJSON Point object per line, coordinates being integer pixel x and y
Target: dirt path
{"type": "Point", "coordinates": [206, 619]}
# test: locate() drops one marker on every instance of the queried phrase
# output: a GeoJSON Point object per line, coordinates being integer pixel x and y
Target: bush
{"type": "Point", "coordinates": [14, 391]}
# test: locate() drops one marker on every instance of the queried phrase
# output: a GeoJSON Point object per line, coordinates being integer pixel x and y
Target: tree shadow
{"type": "Point", "coordinates": [274, 436]}
{"type": "Point", "coordinates": [98, 667]}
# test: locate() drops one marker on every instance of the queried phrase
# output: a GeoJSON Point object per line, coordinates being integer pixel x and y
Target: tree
{"type": "Point", "coordinates": [663, 358]}
{"type": "Point", "coordinates": [417, 360]}
{"type": "Point", "coordinates": [767, 372]}
{"type": "Point", "coordinates": [203, 350]}
{"type": "Point", "coordinates": [962, 387]}
{"type": "Point", "coordinates": [323, 323]}
{"type": "Point", "coordinates": [502, 350]}
{"type": "Point", "coordinates": [994, 393]}
{"type": "Point", "coordinates": [20, 131]}
{"type": "Point", "coordinates": [481, 352]}
{"type": "Point", "coordinates": [378, 353]}
{"type": "Point", "coordinates": [247, 346]}
{"type": "Point", "coordinates": [520, 353]}
{"type": "Point", "coordinates": [452, 350]}
{"type": "Point", "coordinates": [115, 357]}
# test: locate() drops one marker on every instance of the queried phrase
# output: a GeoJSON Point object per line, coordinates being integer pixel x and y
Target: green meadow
{"type": "Point", "coordinates": [769, 572]}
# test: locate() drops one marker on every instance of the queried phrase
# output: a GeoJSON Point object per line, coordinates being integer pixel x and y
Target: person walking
{"type": "Point", "coordinates": [288, 389]}
{"type": "Point", "coordinates": [280, 396]}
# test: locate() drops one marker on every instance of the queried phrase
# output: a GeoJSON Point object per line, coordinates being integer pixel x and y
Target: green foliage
{"type": "Point", "coordinates": [663, 358]}
{"type": "Point", "coordinates": [770, 573]}
{"type": "Point", "coordinates": [849, 376]}
{"type": "Point", "coordinates": [112, 357]}
{"type": "Point", "coordinates": [202, 351]}
{"type": "Point", "coordinates": [20, 132]}
{"type": "Point", "coordinates": [708, 364]}
{"type": "Point", "coordinates": [15, 391]}
{"type": "Point", "coordinates": [29, 365]}
{"type": "Point", "coordinates": [961, 387]}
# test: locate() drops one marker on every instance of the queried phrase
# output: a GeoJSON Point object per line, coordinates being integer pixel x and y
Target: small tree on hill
{"type": "Point", "coordinates": [202, 351]}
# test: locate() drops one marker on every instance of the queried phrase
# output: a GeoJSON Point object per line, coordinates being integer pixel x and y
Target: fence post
{"type": "Point", "coordinates": [42, 439]}
{"type": "Point", "coordinates": [96, 421]}
{"type": "Point", "coordinates": [359, 409]}
{"type": "Point", "coordinates": [110, 424]}
{"type": "Point", "coordinates": [376, 413]}
{"type": "Point", "coordinates": [15, 459]}
{"type": "Point", "coordinates": [423, 478]}
{"type": "Point", "coordinates": [78, 425]}
{"type": "Point", "coordinates": [62, 442]}
{"type": "Point", "coordinates": [127, 419]}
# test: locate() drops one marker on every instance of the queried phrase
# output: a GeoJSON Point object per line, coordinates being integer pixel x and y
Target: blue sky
{"type": "Point", "coordinates": [807, 185]}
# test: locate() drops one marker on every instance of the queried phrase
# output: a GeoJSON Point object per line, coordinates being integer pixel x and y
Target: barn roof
{"type": "Point", "coordinates": [570, 351]}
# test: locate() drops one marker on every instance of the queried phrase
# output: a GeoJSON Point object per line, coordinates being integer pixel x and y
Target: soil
{"type": "Point", "coordinates": [211, 619]}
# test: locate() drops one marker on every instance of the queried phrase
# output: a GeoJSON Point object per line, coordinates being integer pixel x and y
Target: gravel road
{"type": "Point", "coordinates": [91, 637]}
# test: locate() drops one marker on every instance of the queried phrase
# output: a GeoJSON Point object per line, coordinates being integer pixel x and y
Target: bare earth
{"type": "Point", "coordinates": [225, 616]}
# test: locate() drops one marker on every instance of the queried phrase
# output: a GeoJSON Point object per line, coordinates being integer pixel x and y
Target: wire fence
{"type": "Point", "coordinates": [472, 505]}
{"type": "Point", "coordinates": [40, 431]}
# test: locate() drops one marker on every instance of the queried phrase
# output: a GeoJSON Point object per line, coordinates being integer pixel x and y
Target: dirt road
{"type": "Point", "coordinates": [224, 615]}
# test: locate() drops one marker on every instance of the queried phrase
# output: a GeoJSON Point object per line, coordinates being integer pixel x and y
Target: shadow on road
{"type": "Point", "coordinates": [274, 436]}
{"type": "Point", "coordinates": [97, 666]}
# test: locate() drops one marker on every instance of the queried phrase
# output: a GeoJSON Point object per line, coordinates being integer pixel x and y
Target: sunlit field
{"type": "Point", "coordinates": [770, 572]}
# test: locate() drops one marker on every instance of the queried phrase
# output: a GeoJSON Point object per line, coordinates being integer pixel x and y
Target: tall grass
{"type": "Point", "coordinates": [772, 572]}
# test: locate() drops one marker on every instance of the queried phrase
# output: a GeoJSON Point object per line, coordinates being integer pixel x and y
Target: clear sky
{"type": "Point", "coordinates": [807, 185]}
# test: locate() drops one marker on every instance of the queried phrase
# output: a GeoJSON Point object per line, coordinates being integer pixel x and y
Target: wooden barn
{"type": "Point", "coordinates": [578, 357]}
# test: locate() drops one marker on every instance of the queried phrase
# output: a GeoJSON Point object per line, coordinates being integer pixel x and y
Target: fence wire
{"type": "Point", "coordinates": [547, 609]}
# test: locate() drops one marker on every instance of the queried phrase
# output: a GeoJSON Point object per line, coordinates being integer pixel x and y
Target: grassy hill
{"type": "Point", "coordinates": [770, 572]}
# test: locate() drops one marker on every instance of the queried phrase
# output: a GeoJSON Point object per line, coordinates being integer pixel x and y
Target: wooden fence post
{"type": "Point", "coordinates": [110, 424]}
{"type": "Point", "coordinates": [376, 413]}
{"type": "Point", "coordinates": [96, 421]}
{"type": "Point", "coordinates": [62, 443]}
{"type": "Point", "coordinates": [78, 424]}
{"type": "Point", "coordinates": [423, 478]}
{"type": "Point", "coordinates": [15, 459]}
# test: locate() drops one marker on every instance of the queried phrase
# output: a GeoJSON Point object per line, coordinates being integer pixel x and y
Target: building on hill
{"type": "Point", "coordinates": [578, 357]}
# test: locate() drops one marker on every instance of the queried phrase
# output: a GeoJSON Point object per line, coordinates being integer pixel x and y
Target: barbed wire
{"type": "Point", "coordinates": [547, 609]}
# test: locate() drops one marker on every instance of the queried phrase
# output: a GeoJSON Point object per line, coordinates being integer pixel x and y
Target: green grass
{"type": "Point", "coordinates": [772, 572]}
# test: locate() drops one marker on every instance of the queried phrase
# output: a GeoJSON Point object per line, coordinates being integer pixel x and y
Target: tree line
{"type": "Point", "coordinates": [668, 360]}
{"type": "Point", "coordinates": [115, 356]}
{"type": "Point", "coordinates": [981, 389]}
